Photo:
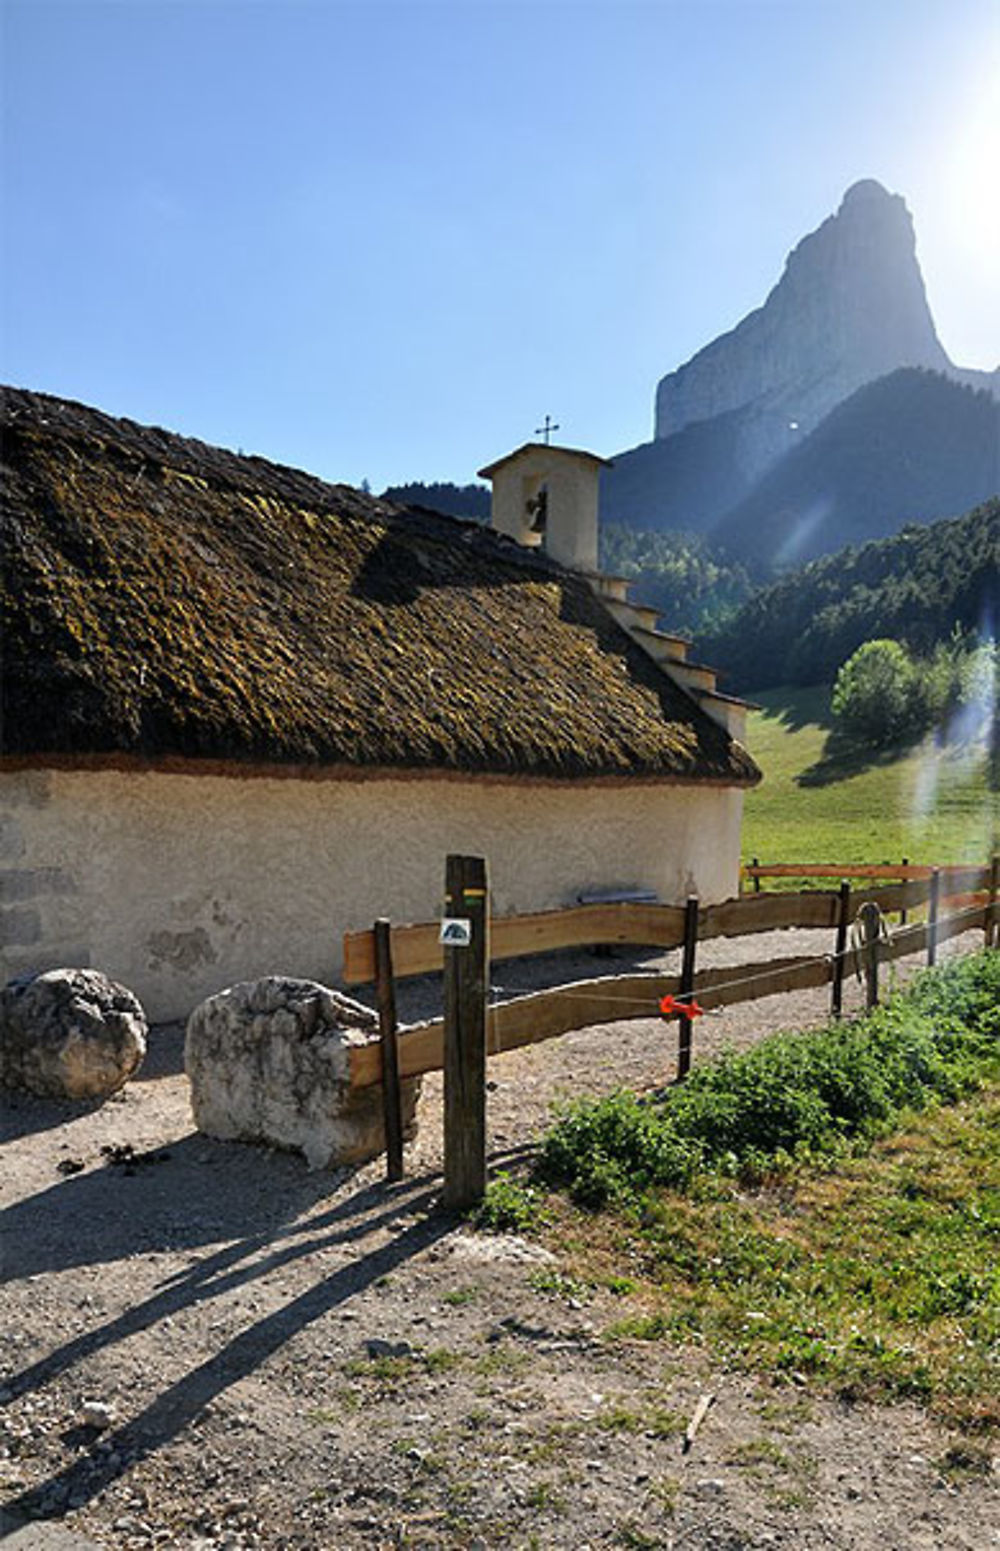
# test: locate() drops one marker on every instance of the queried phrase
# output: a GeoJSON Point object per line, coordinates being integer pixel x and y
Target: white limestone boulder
{"type": "Point", "coordinates": [70, 1034]}
{"type": "Point", "coordinates": [268, 1061]}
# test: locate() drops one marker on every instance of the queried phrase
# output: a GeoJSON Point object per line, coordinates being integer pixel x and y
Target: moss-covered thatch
{"type": "Point", "coordinates": [165, 598]}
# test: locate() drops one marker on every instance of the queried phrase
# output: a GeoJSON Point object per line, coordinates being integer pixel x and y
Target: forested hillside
{"type": "Point", "coordinates": [914, 587]}
{"type": "Point", "coordinates": [693, 586]}
{"type": "Point", "coordinates": [684, 482]}
{"type": "Point", "coordinates": [471, 501]}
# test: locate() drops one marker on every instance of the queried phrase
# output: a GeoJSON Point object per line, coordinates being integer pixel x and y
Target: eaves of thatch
{"type": "Point", "coordinates": [166, 602]}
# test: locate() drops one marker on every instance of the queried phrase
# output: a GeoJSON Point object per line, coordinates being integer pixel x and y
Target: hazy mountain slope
{"type": "Point", "coordinates": [687, 482]}
{"type": "Point", "coordinates": [911, 447]}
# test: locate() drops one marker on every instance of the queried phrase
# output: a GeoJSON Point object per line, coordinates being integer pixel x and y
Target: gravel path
{"type": "Point", "coordinates": [227, 1307]}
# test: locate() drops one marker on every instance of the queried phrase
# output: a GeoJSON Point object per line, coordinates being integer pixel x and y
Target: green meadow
{"type": "Point", "coordinates": [930, 803]}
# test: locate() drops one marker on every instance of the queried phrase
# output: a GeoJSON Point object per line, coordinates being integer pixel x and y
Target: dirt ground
{"type": "Point", "coordinates": [317, 1360]}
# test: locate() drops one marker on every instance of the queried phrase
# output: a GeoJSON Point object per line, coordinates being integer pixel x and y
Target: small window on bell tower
{"type": "Point", "coordinates": [537, 507]}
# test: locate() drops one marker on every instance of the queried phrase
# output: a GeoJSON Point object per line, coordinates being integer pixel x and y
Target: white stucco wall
{"type": "Point", "coordinates": [730, 714]}
{"type": "Point", "coordinates": [179, 885]}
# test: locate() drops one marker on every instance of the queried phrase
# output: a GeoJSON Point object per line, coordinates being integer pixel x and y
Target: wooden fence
{"type": "Point", "coordinates": [540, 1015]}
{"type": "Point", "coordinates": [957, 900]}
{"type": "Point", "coordinates": [905, 871]}
{"type": "Point", "coordinates": [416, 950]}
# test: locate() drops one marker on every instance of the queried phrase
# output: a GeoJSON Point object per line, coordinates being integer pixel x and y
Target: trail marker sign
{"type": "Point", "coordinates": [456, 932]}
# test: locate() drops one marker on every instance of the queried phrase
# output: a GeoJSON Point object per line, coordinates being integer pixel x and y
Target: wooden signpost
{"type": "Point", "coordinates": [871, 922]}
{"type": "Point", "coordinates": [990, 913]}
{"type": "Point", "coordinates": [465, 935]}
{"type": "Point", "coordinates": [933, 910]}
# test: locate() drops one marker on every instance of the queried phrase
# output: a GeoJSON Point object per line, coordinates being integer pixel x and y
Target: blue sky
{"type": "Point", "coordinates": [382, 240]}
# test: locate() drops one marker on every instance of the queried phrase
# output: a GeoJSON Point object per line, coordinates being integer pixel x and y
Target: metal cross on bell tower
{"type": "Point", "coordinates": [546, 429]}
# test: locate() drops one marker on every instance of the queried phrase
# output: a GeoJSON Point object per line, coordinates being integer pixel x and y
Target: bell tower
{"type": "Point", "coordinates": [546, 497]}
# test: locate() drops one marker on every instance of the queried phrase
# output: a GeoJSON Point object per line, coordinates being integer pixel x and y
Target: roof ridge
{"type": "Point", "coordinates": [239, 470]}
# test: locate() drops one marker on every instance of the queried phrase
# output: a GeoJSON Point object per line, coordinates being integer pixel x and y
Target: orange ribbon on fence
{"type": "Point", "coordinates": [670, 1007]}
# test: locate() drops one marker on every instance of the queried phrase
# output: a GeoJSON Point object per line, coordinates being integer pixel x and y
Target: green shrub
{"type": "Point", "coordinates": [962, 998]}
{"type": "Point", "coordinates": [883, 696]}
{"type": "Point", "coordinates": [613, 1149]}
{"type": "Point", "coordinates": [792, 1096]}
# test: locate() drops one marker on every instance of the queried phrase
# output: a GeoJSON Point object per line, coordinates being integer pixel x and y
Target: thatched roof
{"type": "Point", "coordinates": [166, 599]}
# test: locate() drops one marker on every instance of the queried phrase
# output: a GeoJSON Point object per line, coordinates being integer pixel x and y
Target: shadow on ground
{"type": "Point", "coordinates": [842, 759]}
{"type": "Point", "coordinates": [796, 708]}
{"type": "Point", "coordinates": [181, 1195]}
{"type": "Point", "coordinates": [164, 1053]}
{"type": "Point", "coordinates": [839, 763]}
{"type": "Point", "coordinates": [242, 1263]}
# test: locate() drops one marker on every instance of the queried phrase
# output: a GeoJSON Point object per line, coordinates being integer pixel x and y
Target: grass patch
{"type": "Point", "coordinates": [389, 1377]}
{"type": "Point", "coordinates": [503, 1360]}
{"type": "Point", "coordinates": [460, 1296]}
{"type": "Point", "coordinates": [544, 1498]}
{"type": "Point", "coordinates": [964, 1462]}
{"type": "Point", "coordinates": [556, 1284]}
{"type": "Point", "coordinates": [510, 1206]}
{"type": "Point", "coordinates": [655, 1420]}
{"type": "Point", "coordinates": [666, 1491]}
{"type": "Point", "coordinates": [786, 1416]}
{"type": "Point", "coordinates": [826, 1206]}
{"type": "Point", "coordinates": [761, 1451]}
{"type": "Point", "coordinates": [929, 804]}
{"type": "Point", "coordinates": [635, 1538]}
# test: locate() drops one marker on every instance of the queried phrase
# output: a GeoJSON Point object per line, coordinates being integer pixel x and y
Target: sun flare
{"type": "Point", "coordinates": [960, 259]}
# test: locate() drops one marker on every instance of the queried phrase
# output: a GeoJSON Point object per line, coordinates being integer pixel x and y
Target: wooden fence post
{"type": "Point", "coordinates": [902, 913]}
{"type": "Point", "coordinates": [870, 920]}
{"type": "Point", "coordinates": [756, 880]}
{"type": "Point", "coordinates": [686, 990]}
{"type": "Point", "coordinates": [840, 948]}
{"type": "Point", "coordinates": [465, 975]}
{"type": "Point", "coordinates": [990, 914]}
{"type": "Point", "coordinates": [932, 916]}
{"type": "Point", "coordinates": [392, 1104]}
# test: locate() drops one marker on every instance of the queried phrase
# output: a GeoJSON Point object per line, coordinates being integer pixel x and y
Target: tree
{"type": "Point", "coordinates": [878, 696]}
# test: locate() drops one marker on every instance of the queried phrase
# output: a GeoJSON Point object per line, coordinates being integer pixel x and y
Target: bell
{"type": "Point", "coordinates": [537, 508]}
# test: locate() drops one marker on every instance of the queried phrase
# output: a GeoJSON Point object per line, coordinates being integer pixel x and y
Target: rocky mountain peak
{"type": "Point", "coordinates": [866, 190]}
{"type": "Point", "coordinates": [849, 307]}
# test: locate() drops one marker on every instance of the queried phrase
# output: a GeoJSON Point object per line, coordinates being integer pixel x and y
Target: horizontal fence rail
{"type": "Point", "coordinates": [416, 950]}
{"type": "Point", "coordinates": [906, 871]}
